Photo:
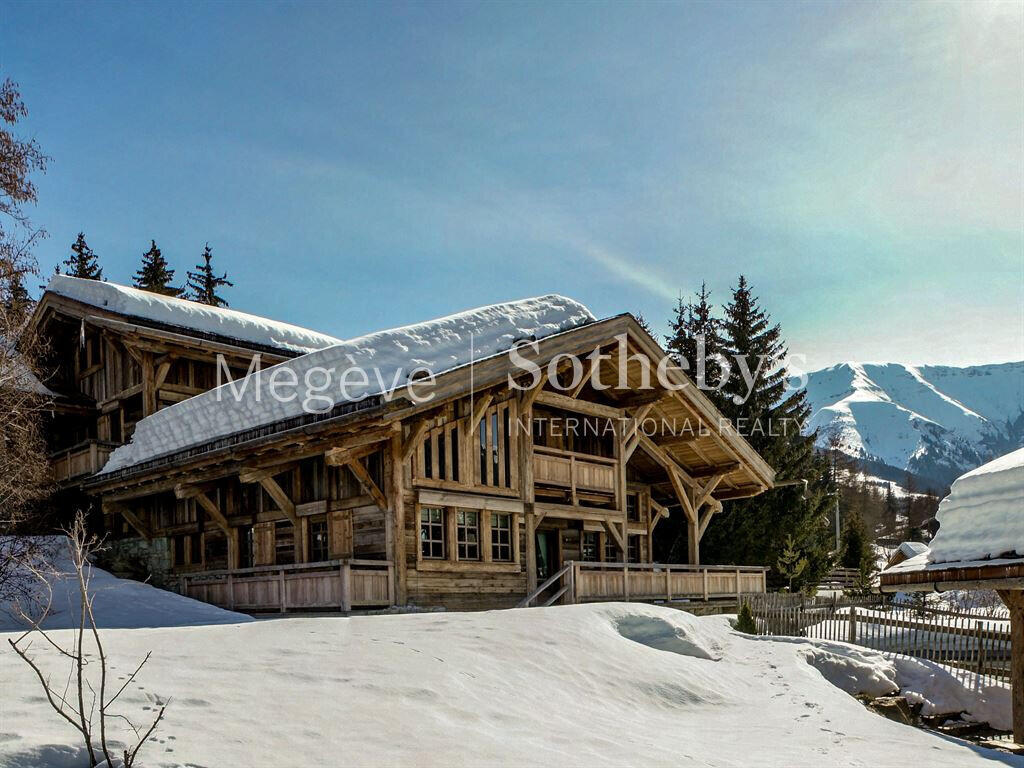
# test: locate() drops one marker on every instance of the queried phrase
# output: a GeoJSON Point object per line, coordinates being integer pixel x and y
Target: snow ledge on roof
{"type": "Point", "coordinates": [182, 313]}
{"type": "Point", "coordinates": [388, 358]}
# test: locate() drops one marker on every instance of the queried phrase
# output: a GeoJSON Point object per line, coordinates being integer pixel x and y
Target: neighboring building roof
{"type": "Point", "coordinates": [983, 515]}
{"type": "Point", "coordinates": [190, 315]}
{"type": "Point", "coordinates": [437, 345]}
{"type": "Point", "coordinates": [981, 531]}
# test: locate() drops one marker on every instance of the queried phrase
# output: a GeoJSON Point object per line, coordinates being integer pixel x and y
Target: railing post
{"type": "Point", "coordinates": [739, 591]}
{"type": "Point", "coordinates": [668, 584]}
{"type": "Point", "coordinates": [231, 593]}
{"type": "Point", "coordinates": [704, 578]}
{"type": "Point", "coordinates": [572, 582]}
{"type": "Point", "coordinates": [281, 591]}
{"type": "Point", "coordinates": [625, 582]}
{"type": "Point", "coordinates": [345, 575]}
{"type": "Point", "coordinates": [853, 625]}
{"type": "Point", "coordinates": [980, 640]}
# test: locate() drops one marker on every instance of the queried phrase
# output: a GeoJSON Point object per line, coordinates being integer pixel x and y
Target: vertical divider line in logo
{"type": "Point", "coordinates": [472, 388]}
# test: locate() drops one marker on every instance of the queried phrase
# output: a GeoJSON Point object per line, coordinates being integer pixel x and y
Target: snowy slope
{"type": "Point", "coordinates": [935, 422]}
{"type": "Point", "coordinates": [118, 603]}
{"type": "Point", "coordinates": [603, 684]}
{"type": "Point", "coordinates": [382, 361]}
{"type": "Point", "coordinates": [189, 315]}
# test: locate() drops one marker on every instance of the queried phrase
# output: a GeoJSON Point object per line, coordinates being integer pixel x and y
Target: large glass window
{"type": "Point", "coordinates": [589, 543]}
{"type": "Point", "coordinates": [432, 542]}
{"type": "Point", "coordinates": [611, 550]}
{"type": "Point", "coordinates": [633, 544]}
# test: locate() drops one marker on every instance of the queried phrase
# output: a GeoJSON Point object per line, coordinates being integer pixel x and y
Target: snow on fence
{"type": "Point", "coordinates": [976, 648]}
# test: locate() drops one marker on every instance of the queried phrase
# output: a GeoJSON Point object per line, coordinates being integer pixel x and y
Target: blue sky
{"type": "Point", "coordinates": [358, 166]}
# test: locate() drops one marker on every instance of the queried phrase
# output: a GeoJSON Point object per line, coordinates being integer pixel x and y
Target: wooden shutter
{"type": "Point", "coordinates": [340, 533]}
{"type": "Point", "coordinates": [263, 544]}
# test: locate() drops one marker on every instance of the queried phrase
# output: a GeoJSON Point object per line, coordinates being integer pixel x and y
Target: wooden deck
{"type": "Point", "coordinates": [338, 585]}
{"type": "Point", "coordinates": [80, 460]}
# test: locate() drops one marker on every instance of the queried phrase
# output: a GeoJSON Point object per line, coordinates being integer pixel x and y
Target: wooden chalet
{"type": "Point", "coordinates": [486, 496]}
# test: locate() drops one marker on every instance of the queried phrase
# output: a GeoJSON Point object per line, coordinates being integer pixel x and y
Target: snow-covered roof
{"type": "Point", "coordinates": [983, 516]}
{"type": "Point", "coordinates": [388, 358]}
{"type": "Point", "coordinates": [190, 315]}
{"type": "Point", "coordinates": [912, 548]}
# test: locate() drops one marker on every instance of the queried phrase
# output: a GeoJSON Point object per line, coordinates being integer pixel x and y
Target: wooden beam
{"type": "Point", "coordinates": [711, 511]}
{"type": "Point", "coordinates": [528, 398]}
{"type": "Point", "coordinates": [363, 476]}
{"type": "Point", "coordinates": [1014, 600]}
{"type": "Point", "coordinates": [659, 512]}
{"type": "Point", "coordinates": [276, 492]}
{"type": "Point", "coordinates": [717, 469]}
{"type": "Point", "coordinates": [398, 510]}
{"type": "Point", "coordinates": [662, 456]}
{"type": "Point", "coordinates": [136, 522]}
{"type": "Point", "coordinates": [162, 369]}
{"type": "Point", "coordinates": [704, 495]}
{"type": "Point", "coordinates": [479, 408]}
{"type": "Point", "coordinates": [215, 514]}
{"type": "Point", "coordinates": [592, 362]}
{"type": "Point", "coordinates": [337, 455]}
{"type": "Point", "coordinates": [258, 474]}
{"type": "Point", "coordinates": [617, 536]}
{"type": "Point", "coordinates": [587, 408]}
{"type": "Point", "coordinates": [417, 433]}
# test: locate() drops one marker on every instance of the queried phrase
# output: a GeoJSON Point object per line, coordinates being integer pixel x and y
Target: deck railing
{"type": "Point", "coordinates": [339, 585]}
{"type": "Point", "coordinates": [85, 458]}
{"type": "Point", "coordinates": [576, 472]}
{"type": "Point", "coordinates": [579, 582]}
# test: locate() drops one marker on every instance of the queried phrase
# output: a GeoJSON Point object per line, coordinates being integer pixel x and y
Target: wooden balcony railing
{"type": "Point", "coordinates": [86, 458]}
{"type": "Point", "coordinates": [580, 582]}
{"type": "Point", "coordinates": [338, 585]}
{"type": "Point", "coordinates": [576, 472]}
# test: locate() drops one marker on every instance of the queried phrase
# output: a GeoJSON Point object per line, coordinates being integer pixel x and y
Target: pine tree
{"type": "Point", "coordinates": [154, 274]}
{"type": "Point", "coordinates": [695, 340]}
{"type": "Point", "coordinates": [758, 530]}
{"type": "Point", "coordinates": [83, 261]}
{"type": "Point", "coordinates": [854, 543]}
{"type": "Point", "coordinates": [791, 563]}
{"type": "Point", "coordinates": [16, 302]}
{"type": "Point", "coordinates": [642, 321]}
{"type": "Point", "coordinates": [745, 620]}
{"type": "Point", "coordinates": [203, 284]}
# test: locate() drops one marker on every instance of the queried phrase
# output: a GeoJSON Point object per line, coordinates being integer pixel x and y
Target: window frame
{"type": "Point", "coordinates": [433, 527]}
{"type": "Point", "coordinates": [467, 535]}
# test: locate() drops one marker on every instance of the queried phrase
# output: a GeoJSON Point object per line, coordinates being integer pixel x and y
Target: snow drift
{"type": "Point", "coordinates": [602, 684]}
{"type": "Point", "coordinates": [983, 515]}
{"type": "Point", "coordinates": [387, 358]}
{"type": "Point", "coordinates": [118, 603]}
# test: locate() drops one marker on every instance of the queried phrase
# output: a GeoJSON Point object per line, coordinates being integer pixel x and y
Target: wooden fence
{"type": "Point", "coordinates": [338, 585]}
{"type": "Point", "coordinates": [975, 647]}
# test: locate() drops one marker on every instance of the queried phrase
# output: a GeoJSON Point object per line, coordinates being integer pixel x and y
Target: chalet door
{"type": "Point", "coordinates": [547, 554]}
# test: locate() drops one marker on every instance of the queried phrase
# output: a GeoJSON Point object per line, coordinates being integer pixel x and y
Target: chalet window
{"type": "Point", "coordinates": [632, 507]}
{"type": "Point", "coordinates": [246, 552]}
{"type": "Point", "coordinates": [589, 543]}
{"type": "Point", "coordinates": [312, 480]}
{"type": "Point", "coordinates": [215, 553]}
{"type": "Point", "coordinates": [611, 550]}
{"type": "Point", "coordinates": [432, 538]}
{"type": "Point", "coordinates": [284, 543]}
{"type": "Point", "coordinates": [633, 545]}
{"type": "Point", "coordinates": [196, 549]}
{"type": "Point", "coordinates": [467, 534]}
{"type": "Point", "coordinates": [178, 550]}
{"type": "Point", "coordinates": [501, 537]}
{"type": "Point", "coordinates": [318, 543]}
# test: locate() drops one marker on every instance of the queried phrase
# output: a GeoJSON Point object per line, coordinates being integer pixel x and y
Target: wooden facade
{"type": "Point", "coordinates": [468, 501]}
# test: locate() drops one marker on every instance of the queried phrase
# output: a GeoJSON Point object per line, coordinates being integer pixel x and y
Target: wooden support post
{"type": "Point", "coordinates": [531, 549]}
{"type": "Point", "coordinates": [345, 574]}
{"type": "Point", "coordinates": [739, 591]}
{"type": "Point", "coordinates": [398, 512]}
{"type": "Point", "coordinates": [524, 445]}
{"type": "Point", "coordinates": [149, 401]}
{"type": "Point", "coordinates": [693, 540]}
{"type": "Point", "coordinates": [668, 584]}
{"type": "Point", "coordinates": [625, 581]}
{"type": "Point", "coordinates": [282, 594]}
{"type": "Point", "coordinates": [704, 571]}
{"type": "Point", "coordinates": [1014, 600]}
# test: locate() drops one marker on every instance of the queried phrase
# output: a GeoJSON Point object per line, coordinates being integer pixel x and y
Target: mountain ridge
{"type": "Point", "coordinates": [933, 422]}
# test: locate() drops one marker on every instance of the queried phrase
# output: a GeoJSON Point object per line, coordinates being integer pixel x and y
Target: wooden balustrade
{"type": "Point", "coordinates": [577, 472]}
{"type": "Point", "coordinates": [86, 458]}
{"type": "Point", "coordinates": [338, 585]}
{"type": "Point", "coordinates": [657, 581]}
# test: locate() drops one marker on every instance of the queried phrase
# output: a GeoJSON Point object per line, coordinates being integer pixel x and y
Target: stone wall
{"type": "Point", "coordinates": [136, 558]}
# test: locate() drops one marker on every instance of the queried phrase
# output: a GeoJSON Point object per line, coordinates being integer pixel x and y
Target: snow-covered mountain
{"type": "Point", "coordinates": [935, 422]}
